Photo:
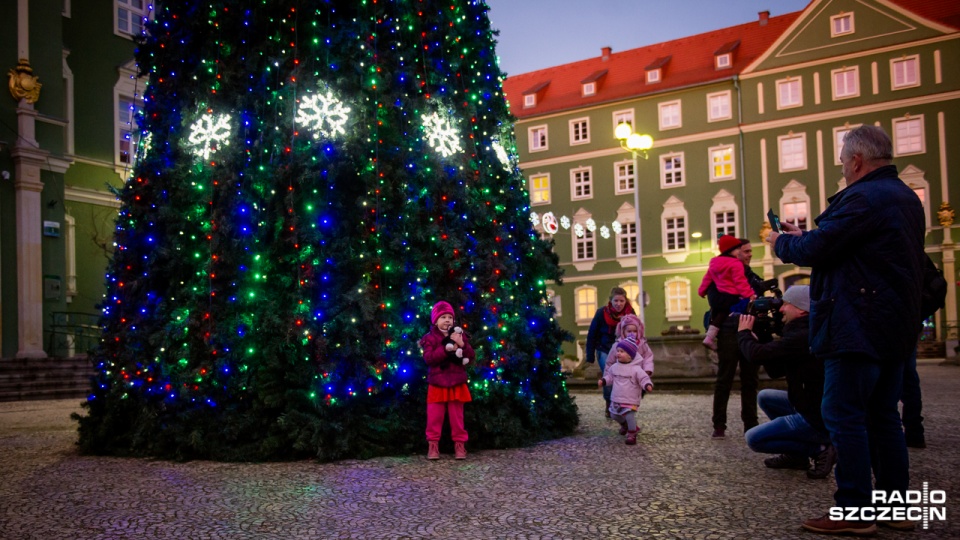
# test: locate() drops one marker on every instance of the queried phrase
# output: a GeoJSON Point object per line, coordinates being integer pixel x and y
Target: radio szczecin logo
{"type": "Point", "coordinates": [932, 507]}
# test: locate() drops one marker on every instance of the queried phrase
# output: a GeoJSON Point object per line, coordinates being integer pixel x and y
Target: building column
{"type": "Point", "coordinates": [28, 159]}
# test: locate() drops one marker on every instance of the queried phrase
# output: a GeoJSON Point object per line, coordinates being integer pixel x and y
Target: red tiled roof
{"type": "Point", "coordinates": [946, 12]}
{"type": "Point", "coordinates": [691, 61]}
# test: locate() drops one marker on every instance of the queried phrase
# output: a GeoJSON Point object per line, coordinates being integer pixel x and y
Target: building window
{"type": "Point", "coordinates": [721, 163]}
{"type": "Point", "coordinates": [722, 61]}
{"type": "Point", "coordinates": [130, 15]}
{"type": "Point", "coordinates": [653, 76]}
{"type": "Point", "coordinates": [846, 82]}
{"type": "Point", "coordinates": [723, 214]}
{"type": "Point", "coordinates": [539, 189]}
{"type": "Point", "coordinates": [554, 298]}
{"type": "Point", "coordinates": [908, 136]}
{"type": "Point", "coordinates": [905, 72]}
{"type": "Point", "coordinates": [128, 102]}
{"type": "Point", "coordinates": [585, 302]}
{"type": "Point", "coordinates": [724, 223]}
{"type": "Point", "coordinates": [671, 170]}
{"type": "Point", "coordinates": [623, 117]}
{"type": "Point", "coordinates": [580, 131]}
{"type": "Point", "coordinates": [838, 134]}
{"type": "Point", "coordinates": [627, 240]}
{"type": "Point", "coordinates": [126, 130]}
{"type": "Point", "coordinates": [538, 138]}
{"type": "Point", "coordinates": [718, 106]}
{"type": "Point", "coordinates": [669, 115]}
{"type": "Point", "coordinates": [624, 177]}
{"type": "Point", "coordinates": [675, 230]}
{"type": "Point", "coordinates": [841, 24]}
{"type": "Point", "coordinates": [530, 100]}
{"type": "Point", "coordinates": [796, 213]}
{"type": "Point", "coordinates": [581, 183]}
{"type": "Point", "coordinates": [914, 179]}
{"type": "Point", "coordinates": [584, 247]}
{"type": "Point", "coordinates": [789, 93]}
{"type": "Point", "coordinates": [676, 294]}
{"type": "Point", "coordinates": [793, 152]}
{"type": "Point", "coordinates": [589, 89]}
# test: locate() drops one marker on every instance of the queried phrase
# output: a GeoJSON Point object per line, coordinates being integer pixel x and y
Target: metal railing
{"type": "Point", "coordinates": [73, 333]}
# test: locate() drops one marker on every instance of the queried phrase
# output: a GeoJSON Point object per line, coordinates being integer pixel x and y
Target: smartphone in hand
{"type": "Point", "coordinates": [774, 221]}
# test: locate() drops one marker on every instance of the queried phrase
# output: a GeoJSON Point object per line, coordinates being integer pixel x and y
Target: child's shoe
{"type": "Point", "coordinates": [710, 341]}
{"type": "Point", "coordinates": [459, 451]}
{"type": "Point", "coordinates": [632, 437]}
{"type": "Point", "coordinates": [623, 429]}
{"type": "Point", "coordinates": [433, 450]}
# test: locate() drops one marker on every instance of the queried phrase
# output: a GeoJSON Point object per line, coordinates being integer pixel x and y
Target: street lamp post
{"type": "Point", "coordinates": [697, 235]}
{"type": "Point", "coordinates": [636, 143]}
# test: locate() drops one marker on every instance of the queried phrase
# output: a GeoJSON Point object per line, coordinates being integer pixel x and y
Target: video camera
{"type": "Point", "coordinates": [766, 310]}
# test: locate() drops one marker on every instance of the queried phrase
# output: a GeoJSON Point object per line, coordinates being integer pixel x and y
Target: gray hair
{"type": "Point", "coordinates": [871, 142]}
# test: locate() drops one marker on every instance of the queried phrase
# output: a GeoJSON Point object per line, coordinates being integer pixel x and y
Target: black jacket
{"type": "Point", "coordinates": [790, 356]}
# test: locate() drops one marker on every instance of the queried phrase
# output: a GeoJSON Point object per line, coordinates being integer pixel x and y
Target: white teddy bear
{"type": "Point", "coordinates": [450, 347]}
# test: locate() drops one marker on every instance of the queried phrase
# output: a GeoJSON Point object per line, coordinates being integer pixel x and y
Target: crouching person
{"type": "Point", "coordinates": [795, 431]}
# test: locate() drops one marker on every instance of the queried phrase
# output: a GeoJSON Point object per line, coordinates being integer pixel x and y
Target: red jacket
{"type": "Point", "coordinates": [444, 368]}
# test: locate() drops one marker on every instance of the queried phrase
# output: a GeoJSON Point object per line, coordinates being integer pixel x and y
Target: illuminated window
{"type": "Point", "coordinates": [721, 163]}
{"type": "Point", "coordinates": [676, 294]}
{"type": "Point", "coordinates": [539, 189]}
{"type": "Point", "coordinates": [585, 303]}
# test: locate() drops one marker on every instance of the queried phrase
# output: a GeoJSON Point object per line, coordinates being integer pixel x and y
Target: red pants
{"type": "Point", "coordinates": [435, 414]}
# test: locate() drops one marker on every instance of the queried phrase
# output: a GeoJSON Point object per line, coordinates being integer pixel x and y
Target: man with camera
{"type": "Point", "coordinates": [795, 430]}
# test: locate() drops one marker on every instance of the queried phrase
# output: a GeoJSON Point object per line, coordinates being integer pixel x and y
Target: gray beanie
{"type": "Point", "coordinates": [799, 296]}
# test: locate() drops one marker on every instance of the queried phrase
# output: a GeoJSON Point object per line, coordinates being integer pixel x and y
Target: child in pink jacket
{"type": "Point", "coordinates": [726, 273]}
{"type": "Point", "coordinates": [629, 382]}
{"type": "Point", "coordinates": [630, 327]}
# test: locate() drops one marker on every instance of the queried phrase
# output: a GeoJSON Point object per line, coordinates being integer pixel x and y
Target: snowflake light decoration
{"type": "Point", "coordinates": [578, 230]}
{"type": "Point", "coordinates": [604, 232]}
{"type": "Point", "coordinates": [441, 134]}
{"type": "Point", "coordinates": [565, 222]}
{"type": "Point", "coordinates": [617, 227]}
{"type": "Point", "coordinates": [591, 225]}
{"type": "Point", "coordinates": [534, 218]}
{"type": "Point", "coordinates": [501, 153]}
{"type": "Point", "coordinates": [207, 132]}
{"type": "Point", "coordinates": [324, 115]}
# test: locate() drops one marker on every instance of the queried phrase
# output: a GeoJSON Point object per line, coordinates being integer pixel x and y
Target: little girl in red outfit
{"type": "Point", "coordinates": [447, 352]}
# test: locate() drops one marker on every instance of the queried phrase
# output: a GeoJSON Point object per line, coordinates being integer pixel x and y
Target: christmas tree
{"type": "Point", "coordinates": [312, 177]}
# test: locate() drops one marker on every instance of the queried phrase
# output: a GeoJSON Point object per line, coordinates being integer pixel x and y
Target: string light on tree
{"type": "Point", "coordinates": [323, 114]}
{"type": "Point", "coordinates": [501, 154]}
{"type": "Point", "coordinates": [208, 132]}
{"type": "Point", "coordinates": [442, 136]}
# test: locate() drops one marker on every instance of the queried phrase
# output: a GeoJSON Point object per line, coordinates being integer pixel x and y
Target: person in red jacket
{"type": "Point", "coordinates": [727, 276]}
{"type": "Point", "coordinates": [447, 352]}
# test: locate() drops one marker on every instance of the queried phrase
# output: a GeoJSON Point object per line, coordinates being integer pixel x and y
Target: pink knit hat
{"type": "Point", "coordinates": [626, 321]}
{"type": "Point", "coordinates": [440, 308]}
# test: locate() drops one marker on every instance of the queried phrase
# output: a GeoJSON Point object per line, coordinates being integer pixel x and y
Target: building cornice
{"type": "Point", "coordinates": [91, 196]}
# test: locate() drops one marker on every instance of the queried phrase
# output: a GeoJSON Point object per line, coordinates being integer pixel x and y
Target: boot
{"type": "Point", "coordinates": [631, 437]}
{"type": "Point", "coordinates": [788, 461]}
{"type": "Point", "coordinates": [459, 451]}
{"type": "Point", "coordinates": [433, 450]}
{"type": "Point", "coordinates": [710, 341]}
{"type": "Point", "coordinates": [823, 463]}
{"type": "Point", "coordinates": [623, 429]}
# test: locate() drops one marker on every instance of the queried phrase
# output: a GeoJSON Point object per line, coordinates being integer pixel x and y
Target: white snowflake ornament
{"type": "Point", "coordinates": [534, 218]}
{"type": "Point", "coordinates": [209, 131]}
{"type": "Point", "coordinates": [565, 222]}
{"type": "Point", "coordinates": [578, 230]}
{"type": "Point", "coordinates": [591, 225]}
{"type": "Point", "coordinates": [441, 134]}
{"type": "Point", "coordinates": [617, 227]}
{"type": "Point", "coordinates": [324, 115]}
{"type": "Point", "coordinates": [605, 232]}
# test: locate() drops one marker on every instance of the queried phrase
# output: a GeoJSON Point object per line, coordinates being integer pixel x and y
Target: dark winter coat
{"type": "Point", "coordinates": [444, 368]}
{"type": "Point", "coordinates": [790, 356]}
{"type": "Point", "coordinates": [866, 256]}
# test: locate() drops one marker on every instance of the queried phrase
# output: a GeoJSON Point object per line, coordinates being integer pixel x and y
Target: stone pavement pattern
{"type": "Point", "coordinates": [676, 483]}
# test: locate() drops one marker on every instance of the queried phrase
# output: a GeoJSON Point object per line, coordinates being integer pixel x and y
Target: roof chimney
{"type": "Point", "coordinates": [764, 17]}
{"type": "Point", "coordinates": [605, 53]}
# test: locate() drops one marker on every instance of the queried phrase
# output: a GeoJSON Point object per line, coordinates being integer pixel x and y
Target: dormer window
{"type": "Point", "coordinates": [590, 85]}
{"type": "Point", "coordinates": [530, 100]}
{"type": "Point", "coordinates": [723, 57]}
{"type": "Point", "coordinates": [533, 95]}
{"type": "Point", "coordinates": [841, 24]}
{"type": "Point", "coordinates": [589, 89]}
{"type": "Point", "coordinates": [655, 69]}
{"type": "Point", "coordinates": [723, 61]}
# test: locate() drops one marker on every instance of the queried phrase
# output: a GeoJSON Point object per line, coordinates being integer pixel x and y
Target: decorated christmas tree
{"type": "Point", "coordinates": [311, 178]}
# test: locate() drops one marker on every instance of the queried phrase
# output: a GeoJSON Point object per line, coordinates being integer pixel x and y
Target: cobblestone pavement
{"type": "Point", "coordinates": [676, 483]}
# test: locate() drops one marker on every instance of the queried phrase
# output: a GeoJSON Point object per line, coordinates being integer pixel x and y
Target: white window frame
{"type": "Point", "coordinates": [70, 255]}
{"type": "Point", "coordinates": [624, 177]}
{"type": "Point", "coordinates": [915, 179]}
{"type": "Point", "coordinates": [683, 310]}
{"type": "Point", "coordinates": [585, 307]}
{"type": "Point", "coordinates": [780, 161]}
{"type": "Point", "coordinates": [533, 137]}
{"type": "Point", "coordinates": [653, 76]}
{"type": "Point", "coordinates": [576, 126]}
{"type": "Point", "coordinates": [836, 86]}
{"type": "Point", "coordinates": [714, 177]}
{"type": "Point", "coordinates": [838, 134]}
{"type": "Point", "coordinates": [723, 61]}
{"type": "Point", "coordinates": [529, 100]}
{"type": "Point", "coordinates": [128, 87]}
{"type": "Point", "coordinates": [554, 298]}
{"type": "Point", "coordinates": [795, 193]}
{"type": "Point", "coordinates": [838, 19]}
{"type": "Point", "coordinates": [588, 240]}
{"type": "Point", "coordinates": [539, 195]}
{"type": "Point", "coordinates": [673, 158]}
{"type": "Point", "coordinates": [898, 138]}
{"type": "Point", "coordinates": [724, 203]}
{"type": "Point", "coordinates": [625, 115]}
{"type": "Point", "coordinates": [894, 62]}
{"type": "Point", "coordinates": [627, 217]}
{"type": "Point", "coordinates": [674, 209]}
{"type": "Point", "coordinates": [144, 12]}
{"type": "Point", "coordinates": [589, 89]}
{"type": "Point", "coordinates": [667, 105]}
{"type": "Point", "coordinates": [796, 101]}
{"type": "Point", "coordinates": [581, 177]}
{"type": "Point", "coordinates": [725, 96]}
